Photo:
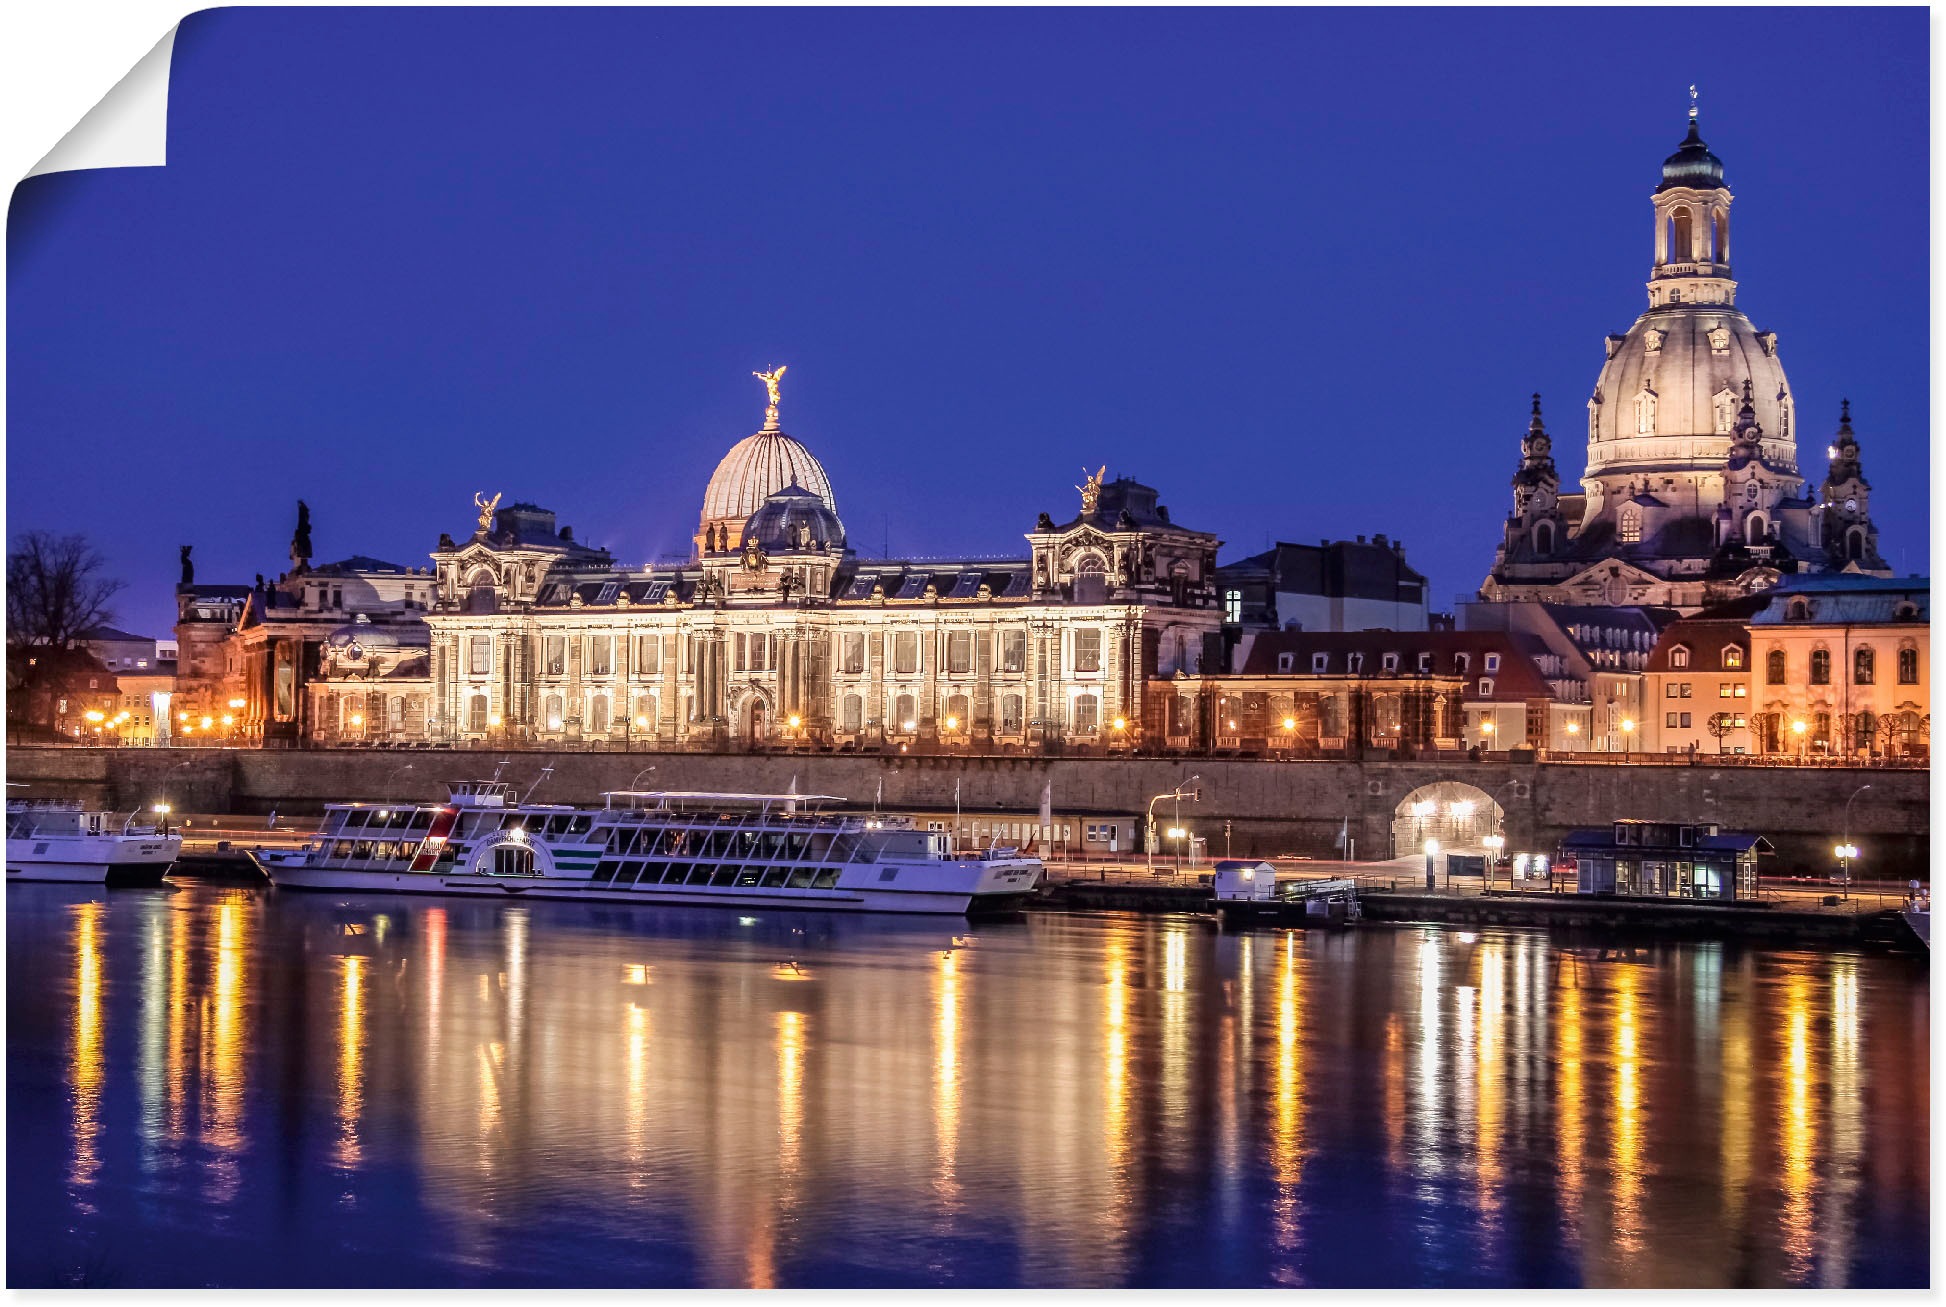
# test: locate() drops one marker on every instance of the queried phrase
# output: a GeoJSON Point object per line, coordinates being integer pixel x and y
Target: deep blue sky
{"type": "Point", "coordinates": [1299, 269]}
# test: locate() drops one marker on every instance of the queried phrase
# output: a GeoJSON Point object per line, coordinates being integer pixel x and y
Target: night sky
{"type": "Point", "coordinates": [1298, 269]}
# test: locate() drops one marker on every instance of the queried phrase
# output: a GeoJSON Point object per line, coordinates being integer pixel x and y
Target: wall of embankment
{"type": "Point", "coordinates": [1273, 807]}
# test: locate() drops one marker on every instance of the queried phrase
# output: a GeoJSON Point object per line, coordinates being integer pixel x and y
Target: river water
{"type": "Point", "coordinates": [223, 1086]}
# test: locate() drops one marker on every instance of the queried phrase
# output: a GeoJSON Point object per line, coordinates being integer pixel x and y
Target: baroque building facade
{"type": "Point", "coordinates": [1692, 494]}
{"type": "Point", "coordinates": [775, 632]}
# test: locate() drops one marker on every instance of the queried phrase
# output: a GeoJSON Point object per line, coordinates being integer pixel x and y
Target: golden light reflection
{"type": "Point", "coordinates": [1115, 1090]}
{"type": "Point", "coordinates": [1393, 1071]}
{"type": "Point", "coordinates": [1570, 1097]}
{"type": "Point", "coordinates": [1175, 1027]}
{"type": "Point", "coordinates": [1626, 1137]}
{"type": "Point", "coordinates": [1797, 1136]}
{"type": "Point", "coordinates": [1428, 1115]}
{"type": "Point", "coordinates": [1287, 1124]}
{"type": "Point", "coordinates": [149, 1079]}
{"type": "Point", "coordinates": [223, 1068]}
{"type": "Point", "coordinates": [635, 1113]}
{"type": "Point", "coordinates": [1490, 1068]}
{"type": "Point", "coordinates": [176, 1060]}
{"type": "Point", "coordinates": [1739, 1118]}
{"type": "Point", "coordinates": [435, 985]}
{"type": "Point", "coordinates": [946, 1077]}
{"type": "Point", "coordinates": [1846, 1111]}
{"type": "Point", "coordinates": [351, 1062]}
{"type": "Point", "coordinates": [88, 1062]}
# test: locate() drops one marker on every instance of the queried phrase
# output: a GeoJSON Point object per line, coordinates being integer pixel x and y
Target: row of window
{"type": "Point", "coordinates": [1864, 667]}
{"type": "Point", "coordinates": [759, 651]}
{"type": "Point", "coordinates": [1387, 662]}
{"type": "Point", "coordinates": [716, 875]}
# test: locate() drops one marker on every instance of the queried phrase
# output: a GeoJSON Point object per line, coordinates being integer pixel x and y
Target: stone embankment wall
{"type": "Point", "coordinates": [1272, 807]}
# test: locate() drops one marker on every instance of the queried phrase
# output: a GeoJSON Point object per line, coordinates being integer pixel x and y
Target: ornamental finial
{"type": "Point", "coordinates": [1692, 102]}
{"type": "Point", "coordinates": [770, 380]}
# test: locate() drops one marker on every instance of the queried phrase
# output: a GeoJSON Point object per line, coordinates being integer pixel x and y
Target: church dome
{"type": "Point", "coordinates": [1667, 399]}
{"type": "Point", "coordinates": [794, 520]}
{"type": "Point", "coordinates": [1692, 165]}
{"type": "Point", "coordinates": [756, 468]}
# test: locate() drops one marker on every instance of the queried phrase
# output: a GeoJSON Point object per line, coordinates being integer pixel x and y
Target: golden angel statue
{"type": "Point", "coordinates": [486, 507]}
{"type": "Point", "coordinates": [1090, 488]}
{"type": "Point", "coordinates": [770, 380]}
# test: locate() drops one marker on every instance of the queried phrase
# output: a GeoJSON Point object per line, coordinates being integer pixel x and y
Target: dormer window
{"type": "Point", "coordinates": [1679, 657]}
{"type": "Point", "coordinates": [1286, 662]}
{"type": "Point", "coordinates": [1355, 663]}
{"type": "Point", "coordinates": [1486, 687]}
{"type": "Point", "coordinates": [1390, 662]}
{"type": "Point", "coordinates": [1493, 662]}
{"type": "Point", "coordinates": [1320, 662]}
{"type": "Point", "coordinates": [1425, 662]}
{"type": "Point", "coordinates": [608, 591]}
{"type": "Point", "coordinates": [1732, 657]}
{"type": "Point", "coordinates": [1462, 663]}
{"type": "Point", "coordinates": [1798, 610]}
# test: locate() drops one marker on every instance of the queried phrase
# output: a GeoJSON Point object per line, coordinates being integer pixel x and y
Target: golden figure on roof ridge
{"type": "Point", "coordinates": [1090, 488]}
{"type": "Point", "coordinates": [486, 507]}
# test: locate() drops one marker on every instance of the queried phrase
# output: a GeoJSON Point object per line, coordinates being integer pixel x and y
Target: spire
{"type": "Point", "coordinates": [1692, 165]}
{"type": "Point", "coordinates": [1746, 434]}
{"type": "Point", "coordinates": [1536, 457]}
{"type": "Point", "coordinates": [1844, 450]}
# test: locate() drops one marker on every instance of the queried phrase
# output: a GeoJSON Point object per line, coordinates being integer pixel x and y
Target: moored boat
{"type": "Point", "coordinates": [710, 849]}
{"type": "Point", "coordinates": [59, 840]}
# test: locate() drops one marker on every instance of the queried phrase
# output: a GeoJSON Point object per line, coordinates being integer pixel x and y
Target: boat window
{"type": "Point", "coordinates": [827, 878]}
{"type": "Point", "coordinates": [362, 849]}
{"type": "Point", "coordinates": [513, 860]}
{"type": "Point", "coordinates": [652, 873]}
{"type": "Point", "coordinates": [558, 825]}
{"type": "Point", "coordinates": [749, 875]}
{"type": "Point", "coordinates": [775, 877]}
{"type": "Point", "coordinates": [605, 869]}
{"type": "Point", "coordinates": [422, 819]}
{"type": "Point", "coordinates": [449, 854]}
{"type": "Point", "coordinates": [890, 873]}
{"type": "Point", "coordinates": [581, 823]}
{"type": "Point", "coordinates": [341, 850]}
{"type": "Point", "coordinates": [627, 872]}
{"type": "Point", "coordinates": [801, 877]}
{"type": "Point", "coordinates": [774, 845]}
{"type": "Point", "coordinates": [514, 821]}
{"type": "Point", "coordinates": [724, 875]}
{"type": "Point", "coordinates": [699, 874]}
{"type": "Point", "coordinates": [356, 817]}
{"type": "Point", "coordinates": [796, 843]}
{"type": "Point", "coordinates": [720, 843]}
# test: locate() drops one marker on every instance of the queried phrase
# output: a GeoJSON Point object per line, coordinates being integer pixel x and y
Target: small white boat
{"type": "Point", "coordinates": [60, 840]}
{"type": "Point", "coordinates": [699, 849]}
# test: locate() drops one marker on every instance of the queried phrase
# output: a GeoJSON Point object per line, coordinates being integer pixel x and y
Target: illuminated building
{"type": "Point", "coordinates": [1840, 668]}
{"type": "Point", "coordinates": [775, 632]}
{"type": "Point", "coordinates": [1692, 494]}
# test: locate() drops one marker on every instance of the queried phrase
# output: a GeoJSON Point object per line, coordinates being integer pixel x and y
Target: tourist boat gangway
{"type": "Point", "coordinates": [707, 848]}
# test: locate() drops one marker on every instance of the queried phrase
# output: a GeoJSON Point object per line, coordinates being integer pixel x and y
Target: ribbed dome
{"type": "Point", "coordinates": [756, 468]}
{"type": "Point", "coordinates": [793, 520]}
{"type": "Point", "coordinates": [1692, 165]}
{"type": "Point", "coordinates": [361, 633]}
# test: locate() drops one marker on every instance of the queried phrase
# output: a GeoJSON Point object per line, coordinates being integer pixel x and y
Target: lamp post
{"type": "Point", "coordinates": [1176, 833]}
{"type": "Point", "coordinates": [1574, 731]}
{"type": "Point", "coordinates": [162, 811]}
{"type": "Point", "coordinates": [1290, 736]}
{"type": "Point", "coordinates": [1432, 851]}
{"type": "Point", "coordinates": [1628, 732]}
{"type": "Point", "coordinates": [1798, 728]}
{"type": "Point", "coordinates": [1852, 849]}
{"type": "Point", "coordinates": [1493, 843]}
{"type": "Point", "coordinates": [1175, 794]}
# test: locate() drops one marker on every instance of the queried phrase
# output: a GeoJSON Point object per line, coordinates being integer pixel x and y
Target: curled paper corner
{"type": "Point", "coordinates": [128, 127]}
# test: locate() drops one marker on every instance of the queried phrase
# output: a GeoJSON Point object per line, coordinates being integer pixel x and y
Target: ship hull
{"type": "Point", "coordinates": [138, 864]}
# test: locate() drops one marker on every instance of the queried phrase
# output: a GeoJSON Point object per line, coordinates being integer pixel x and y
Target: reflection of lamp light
{"type": "Point", "coordinates": [1797, 728]}
{"type": "Point", "coordinates": [1120, 723]}
{"type": "Point", "coordinates": [231, 721]}
{"type": "Point", "coordinates": [358, 719]}
{"type": "Point", "coordinates": [641, 723]}
{"type": "Point", "coordinates": [1495, 842]}
{"type": "Point", "coordinates": [92, 715]}
{"type": "Point", "coordinates": [208, 722]}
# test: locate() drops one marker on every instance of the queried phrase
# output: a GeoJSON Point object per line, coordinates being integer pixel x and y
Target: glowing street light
{"type": "Point", "coordinates": [236, 703]}
{"type": "Point", "coordinates": [1432, 851]}
{"type": "Point", "coordinates": [93, 715]}
{"type": "Point", "coordinates": [208, 722]}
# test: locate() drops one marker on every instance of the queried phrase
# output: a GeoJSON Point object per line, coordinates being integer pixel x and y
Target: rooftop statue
{"type": "Point", "coordinates": [486, 507]}
{"type": "Point", "coordinates": [1090, 488]}
{"type": "Point", "coordinates": [771, 380]}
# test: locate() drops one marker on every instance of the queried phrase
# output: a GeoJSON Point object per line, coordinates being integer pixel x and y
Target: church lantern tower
{"type": "Point", "coordinates": [1849, 538]}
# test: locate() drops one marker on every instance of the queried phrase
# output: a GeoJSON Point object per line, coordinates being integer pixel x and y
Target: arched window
{"type": "Point", "coordinates": [1010, 717]}
{"type": "Point", "coordinates": [957, 717]}
{"type": "Point", "coordinates": [903, 717]}
{"type": "Point", "coordinates": [1820, 667]}
{"type": "Point", "coordinates": [479, 595]}
{"type": "Point", "coordinates": [1855, 543]}
{"type": "Point", "coordinates": [1908, 667]}
{"type": "Point", "coordinates": [1774, 667]}
{"type": "Point", "coordinates": [1756, 529]}
{"type": "Point", "coordinates": [1631, 524]}
{"type": "Point", "coordinates": [1645, 411]}
{"type": "Point", "coordinates": [1821, 730]}
{"type": "Point", "coordinates": [1862, 666]}
{"type": "Point", "coordinates": [1724, 407]}
{"type": "Point", "coordinates": [598, 715]}
{"type": "Point", "coordinates": [1681, 249]}
{"type": "Point", "coordinates": [1720, 246]}
{"type": "Point", "coordinates": [1799, 610]}
{"type": "Point", "coordinates": [1864, 731]}
{"type": "Point", "coordinates": [1544, 538]}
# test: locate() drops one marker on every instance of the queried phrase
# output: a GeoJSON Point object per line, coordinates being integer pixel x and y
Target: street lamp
{"type": "Point", "coordinates": [1798, 728]}
{"type": "Point", "coordinates": [1628, 730]}
{"type": "Point", "coordinates": [1175, 794]}
{"type": "Point", "coordinates": [162, 811]}
{"type": "Point", "coordinates": [1494, 843]}
{"type": "Point", "coordinates": [1176, 833]}
{"type": "Point", "coordinates": [1432, 851]}
{"type": "Point", "coordinates": [1848, 844]}
{"type": "Point", "coordinates": [1486, 729]}
{"type": "Point", "coordinates": [1845, 853]}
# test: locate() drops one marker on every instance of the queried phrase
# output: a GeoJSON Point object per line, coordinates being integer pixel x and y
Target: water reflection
{"type": "Point", "coordinates": [523, 1094]}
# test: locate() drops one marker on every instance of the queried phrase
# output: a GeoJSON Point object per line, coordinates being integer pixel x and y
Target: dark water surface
{"type": "Point", "coordinates": [245, 1087]}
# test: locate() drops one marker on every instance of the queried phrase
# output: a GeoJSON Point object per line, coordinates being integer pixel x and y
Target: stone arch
{"type": "Point", "coordinates": [754, 714]}
{"type": "Point", "coordinates": [1455, 813]}
{"type": "Point", "coordinates": [1544, 538]}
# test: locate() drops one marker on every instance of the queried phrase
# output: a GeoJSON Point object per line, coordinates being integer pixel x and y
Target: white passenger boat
{"type": "Point", "coordinates": [724, 850]}
{"type": "Point", "coordinates": [54, 839]}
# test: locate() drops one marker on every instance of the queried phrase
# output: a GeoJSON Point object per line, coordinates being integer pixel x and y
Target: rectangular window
{"type": "Point", "coordinates": [1493, 662]}
{"type": "Point", "coordinates": [648, 655]}
{"type": "Point", "coordinates": [853, 717]}
{"type": "Point", "coordinates": [1685, 721]}
{"type": "Point", "coordinates": [959, 651]}
{"type": "Point", "coordinates": [1010, 714]}
{"type": "Point", "coordinates": [851, 652]}
{"type": "Point", "coordinates": [1669, 691]}
{"type": "Point", "coordinates": [1685, 689]}
{"type": "Point", "coordinates": [1723, 691]}
{"type": "Point", "coordinates": [601, 655]}
{"type": "Point", "coordinates": [1013, 650]}
{"type": "Point", "coordinates": [1669, 720]}
{"type": "Point", "coordinates": [1087, 714]}
{"type": "Point", "coordinates": [1233, 606]}
{"type": "Point", "coordinates": [554, 656]}
{"type": "Point", "coordinates": [905, 651]}
{"type": "Point", "coordinates": [1087, 650]}
{"type": "Point", "coordinates": [480, 654]}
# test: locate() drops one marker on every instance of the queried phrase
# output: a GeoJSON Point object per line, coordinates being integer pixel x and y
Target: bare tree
{"type": "Point", "coordinates": [56, 591]}
{"type": "Point", "coordinates": [1720, 725]}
